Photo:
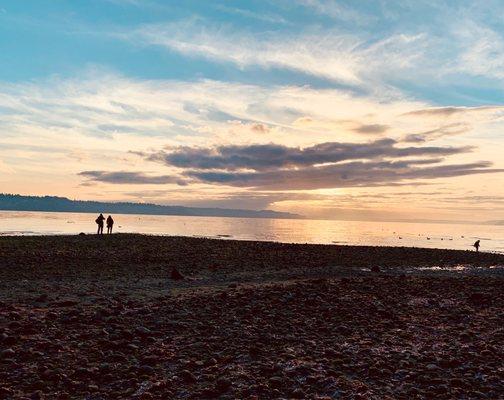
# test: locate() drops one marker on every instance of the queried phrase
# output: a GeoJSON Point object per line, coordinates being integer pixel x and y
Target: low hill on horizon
{"type": "Point", "coordinates": [16, 202]}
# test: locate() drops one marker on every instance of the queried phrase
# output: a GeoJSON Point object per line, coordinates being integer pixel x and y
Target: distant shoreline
{"type": "Point", "coordinates": [296, 217]}
{"type": "Point", "coordinates": [16, 202]}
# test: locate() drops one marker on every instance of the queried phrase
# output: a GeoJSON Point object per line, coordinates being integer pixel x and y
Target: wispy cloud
{"type": "Point", "coordinates": [395, 58]}
{"type": "Point", "coordinates": [266, 17]}
{"type": "Point", "coordinates": [483, 50]}
{"type": "Point", "coordinates": [329, 54]}
{"type": "Point", "coordinates": [455, 111]}
{"type": "Point", "coordinates": [129, 2]}
{"type": "Point", "coordinates": [336, 10]}
{"type": "Point", "coordinates": [453, 129]}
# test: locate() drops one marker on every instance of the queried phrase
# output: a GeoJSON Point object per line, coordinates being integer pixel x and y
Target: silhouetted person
{"type": "Point", "coordinates": [110, 224]}
{"type": "Point", "coordinates": [99, 221]}
{"type": "Point", "coordinates": [476, 245]}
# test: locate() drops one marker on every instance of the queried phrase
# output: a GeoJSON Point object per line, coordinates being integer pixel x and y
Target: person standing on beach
{"type": "Point", "coordinates": [477, 245]}
{"type": "Point", "coordinates": [99, 221]}
{"type": "Point", "coordinates": [110, 224]}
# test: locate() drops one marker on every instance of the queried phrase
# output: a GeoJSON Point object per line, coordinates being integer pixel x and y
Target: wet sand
{"type": "Point", "coordinates": [100, 318]}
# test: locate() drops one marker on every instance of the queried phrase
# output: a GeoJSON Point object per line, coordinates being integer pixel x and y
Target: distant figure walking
{"type": "Point", "coordinates": [110, 224]}
{"type": "Point", "coordinates": [477, 245]}
{"type": "Point", "coordinates": [99, 221]}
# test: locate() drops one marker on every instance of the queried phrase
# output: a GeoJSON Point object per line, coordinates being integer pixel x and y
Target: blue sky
{"type": "Point", "coordinates": [142, 79]}
{"type": "Point", "coordinates": [41, 38]}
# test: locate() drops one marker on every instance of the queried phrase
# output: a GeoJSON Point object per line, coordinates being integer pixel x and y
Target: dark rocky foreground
{"type": "Point", "coordinates": [84, 318]}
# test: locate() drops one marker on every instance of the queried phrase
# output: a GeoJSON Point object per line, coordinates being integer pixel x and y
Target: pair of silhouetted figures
{"type": "Point", "coordinates": [100, 222]}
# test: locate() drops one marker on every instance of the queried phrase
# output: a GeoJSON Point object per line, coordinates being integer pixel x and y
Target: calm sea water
{"type": "Point", "coordinates": [448, 236]}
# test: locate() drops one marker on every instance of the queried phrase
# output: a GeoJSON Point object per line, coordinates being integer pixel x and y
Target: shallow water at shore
{"type": "Point", "coordinates": [431, 235]}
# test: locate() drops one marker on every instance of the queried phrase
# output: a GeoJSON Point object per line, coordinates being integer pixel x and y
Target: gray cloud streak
{"type": "Point", "coordinates": [449, 111]}
{"type": "Point", "coordinates": [132, 178]}
{"type": "Point", "coordinates": [445, 130]}
{"type": "Point", "coordinates": [371, 129]}
{"type": "Point", "coordinates": [351, 174]}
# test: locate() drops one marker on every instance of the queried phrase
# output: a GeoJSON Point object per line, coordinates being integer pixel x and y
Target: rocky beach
{"type": "Point", "coordinates": [86, 317]}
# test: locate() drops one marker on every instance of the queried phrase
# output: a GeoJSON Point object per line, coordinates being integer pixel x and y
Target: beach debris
{"type": "Point", "coordinates": [176, 275]}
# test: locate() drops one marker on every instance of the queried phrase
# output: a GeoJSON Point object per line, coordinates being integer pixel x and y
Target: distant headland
{"type": "Point", "coordinates": [15, 202]}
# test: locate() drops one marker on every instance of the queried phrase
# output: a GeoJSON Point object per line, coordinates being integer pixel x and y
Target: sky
{"type": "Point", "coordinates": [331, 109]}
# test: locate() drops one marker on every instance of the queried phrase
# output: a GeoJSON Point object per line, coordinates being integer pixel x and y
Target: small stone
{"type": "Point", "coordinates": [176, 275]}
{"type": "Point", "coordinates": [298, 394]}
{"type": "Point", "coordinates": [8, 353]}
{"type": "Point", "coordinates": [8, 340]}
{"type": "Point", "coordinates": [38, 395]}
{"type": "Point", "coordinates": [211, 362]}
{"type": "Point", "coordinates": [275, 382]}
{"type": "Point", "coordinates": [187, 376]}
{"type": "Point", "coordinates": [42, 298]}
{"type": "Point", "coordinates": [146, 369]}
{"type": "Point", "coordinates": [5, 393]}
{"type": "Point", "coordinates": [222, 385]}
{"type": "Point", "coordinates": [104, 367]}
{"type": "Point", "coordinates": [142, 331]}
{"type": "Point", "coordinates": [478, 298]}
{"type": "Point", "coordinates": [254, 351]}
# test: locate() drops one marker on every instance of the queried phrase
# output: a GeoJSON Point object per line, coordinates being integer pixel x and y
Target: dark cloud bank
{"type": "Point", "coordinates": [326, 165]}
{"type": "Point", "coordinates": [274, 156]}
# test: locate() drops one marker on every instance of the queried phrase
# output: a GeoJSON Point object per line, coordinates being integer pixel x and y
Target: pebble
{"type": "Point", "coordinates": [187, 376]}
{"type": "Point", "coordinates": [7, 353]}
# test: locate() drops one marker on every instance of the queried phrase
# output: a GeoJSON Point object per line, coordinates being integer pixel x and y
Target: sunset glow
{"type": "Point", "coordinates": [353, 110]}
